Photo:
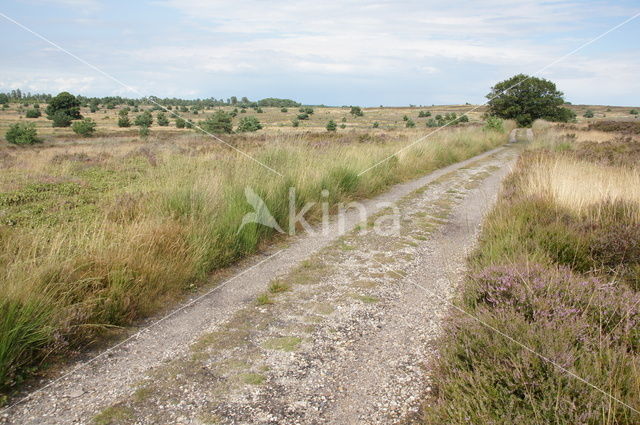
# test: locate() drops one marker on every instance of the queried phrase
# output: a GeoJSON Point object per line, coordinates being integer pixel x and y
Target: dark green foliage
{"type": "Point", "coordinates": [4, 99]}
{"type": "Point", "coordinates": [162, 119]}
{"type": "Point", "coordinates": [295, 122]}
{"type": "Point", "coordinates": [494, 123]}
{"type": "Point", "coordinates": [332, 126]}
{"type": "Point", "coordinates": [410, 123]}
{"type": "Point", "coordinates": [588, 113]}
{"type": "Point", "coordinates": [249, 123]}
{"type": "Point", "coordinates": [219, 122]}
{"type": "Point", "coordinates": [64, 102]}
{"type": "Point", "coordinates": [85, 127]}
{"type": "Point", "coordinates": [527, 99]}
{"type": "Point", "coordinates": [60, 119]}
{"type": "Point", "coordinates": [123, 118]}
{"type": "Point", "coordinates": [275, 102]}
{"type": "Point", "coordinates": [33, 113]}
{"type": "Point", "coordinates": [284, 110]}
{"type": "Point", "coordinates": [306, 110]}
{"type": "Point", "coordinates": [375, 124]}
{"type": "Point", "coordinates": [343, 125]}
{"type": "Point", "coordinates": [180, 122]}
{"type": "Point", "coordinates": [356, 111]}
{"type": "Point", "coordinates": [633, 112]}
{"type": "Point", "coordinates": [22, 133]}
{"type": "Point", "coordinates": [303, 116]}
{"type": "Point", "coordinates": [405, 118]}
{"type": "Point", "coordinates": [344, 119]}
{"type": "Point", "coordinates": [145, 119]}
{"type": "Point", "coordinates": [424, 114]}
{"type": "Point", "coordinates": [144, 131]}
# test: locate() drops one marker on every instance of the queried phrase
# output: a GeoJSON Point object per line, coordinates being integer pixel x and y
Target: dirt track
{"type": "Point", "coordinates": [346, 344]}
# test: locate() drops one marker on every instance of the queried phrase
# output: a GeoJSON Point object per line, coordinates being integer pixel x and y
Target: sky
{"type": "Point", "coordinates": [367, 52]}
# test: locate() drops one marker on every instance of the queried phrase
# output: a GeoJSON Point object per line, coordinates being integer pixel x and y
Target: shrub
{"type": "Point", "coordinates": [494, 123]}
{"type": "Point", "coordinates": [375, 124]}
{"type": "Point", "coordinates": [588, 113]}
{"type": "Point", "coordinates": [144, 120]}
{"type": "Point", "coordinates": [219, 122]}
{"type": "Point", "coordinates": [60, 119]}
{"type": "Point", "coordinates": [123, 119]}
{"type": "Point", "coordinates": [180, 123]}
{"type": "Point", "coordinates": [249, 124]}
{"type": "Point", "coordinates": [424, 114]}
{"type": "Point", "coordinates": [285, 110]}
{"type": "Point", "coordinates": [343, 125]}
{"type": "Point", "coordinates": [22, 133]}
{"type": "Point", "coordinates": [633, 112]}
{"type": "Point", "coordinates": [332, 126]}
{"type": "Point", "coordinates": [86, 127]}
{"type": "Point", "coordinates": [162, 119]}
{"type": "Point", "coordinates": [144, 131]}
{"type": "Point", "coordinates": [4, 99]}
{"type": "Point", "coordinates": [66, 103]}
{"type": "Point", "coordinates": [405, 118]}
{"type": "Point", "coordinates": [33, 113]}
{"type": "Point", "coordinates": [295, 122]}
{"type": "Point", "coordinates": [410, 123]}
{"type": "Point", "coordinates": [463, 118]}
{"type": "Point", "coordinates": [259, 110]}
{"type": "Point", "coordinates": [356, 111]}
{"type": "Point", "coordinates": [303, 116]}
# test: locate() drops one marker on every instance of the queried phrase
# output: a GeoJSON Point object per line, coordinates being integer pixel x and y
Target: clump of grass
{"type": "Point", "coordinates": [285, 343]}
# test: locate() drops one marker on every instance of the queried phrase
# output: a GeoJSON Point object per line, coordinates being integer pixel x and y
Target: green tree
{"type": "Point", "coordinates": [633, 112]}
{"type": "Point", "coordinates": [332, 126]}
{"type": "Point", "coordinates": [376, 124]}
{"type": "Point", "coordinates": [410, 123]}
{"type": "Point", "coordinates": [526, 99]}
{"type": "Point", "coordinates": [284, 110]}
{"type": "Point", "coordinates": [162, 119]}
{"type": "Point", "coordinates": [85, 127]}
{"type": "Point", "coordinates": [588, 113]}
{"type": "Point", "coordinates": [4, 99]}
{"type": "Point", "coordinates": [60, 119]}
{"type": "Point", "coordinates": [123, 118]}
{"type": "Point", "coordinates": [180, 122]}
{"type": "Point", "coordinates": [22, 133]}
{"type": "Point", "coordinates": [65, 103]}
{"type": "Point", "coordinates": [219, 122]}
{"type": "Point", "coordinates": [248, 123]}
{"type": "Point", "coordinates": [494, 123]}
{"type": "Point", "coordinates": [145, 119]}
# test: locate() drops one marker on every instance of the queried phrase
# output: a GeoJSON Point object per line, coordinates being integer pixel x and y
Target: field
{"type": "Point", "coordinates": [557, 272]}
{"type": "Point", "coordinates": [99, 232]}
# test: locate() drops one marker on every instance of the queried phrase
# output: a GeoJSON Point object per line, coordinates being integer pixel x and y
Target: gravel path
{"type": "Point", "coordinates": [343, 339]}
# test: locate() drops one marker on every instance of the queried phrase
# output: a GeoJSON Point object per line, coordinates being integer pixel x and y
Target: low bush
{"type": "Point", "coordinates": [162, 119]}
{"type": "Point", "coordinates": [33, 113]}
{"type": "Point", "coordinates": [332, 126]}
{"type": "Point", "coordinates": [85, 127]}
{"type": "Point", "coordinates": [60, 119]}
{"type": "Point", "coordinates": [22, 133]}
{"type": "Point", "coordinates": [248, 124]}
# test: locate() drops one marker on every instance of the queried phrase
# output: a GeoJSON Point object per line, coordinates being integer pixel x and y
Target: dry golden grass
{"type": "Point", "coordinates": [580, 186]}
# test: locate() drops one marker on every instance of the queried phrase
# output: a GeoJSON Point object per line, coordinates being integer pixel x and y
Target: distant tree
{"type": "Point", "coordinates": [33, 113]}
{"type": "Point", "coordinates": [145, 119]}
{"type": "Point", "coordinates": [343, 125]}
{"type": "Point", "coordinates": [332, 126]}
{"type": "Point", "coordinates": [356, 111]}
{"type": "Point", "coordinates": [234, 100]}
{"type": "Point", "coordinates": [219, 122]}
{"type": "Point", "coordinates": [284, 110]}
{"type": "Point", "coordinates": [588, 113]}
{"type": "Point", "coordinates": [162, 119]}
{"type": "Point", "coordinates": [180, 122]}
{"type": "Point", "coordinates": [526, 99]}
{"type": "Point", "coordinates": [633, 112]}
{"type": "Point", "coordinates": [22, 133]}
{"type": "Point", "coordinates": [248, 123]}
{"type": "Point", "coordinates": [85, 127]}
{"type": "Point", "coordinates": [65, 103]}
{"type": "Point", "coordinates": [4, 99]}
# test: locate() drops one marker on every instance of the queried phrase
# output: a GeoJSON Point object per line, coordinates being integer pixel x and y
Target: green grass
{"type": "Point", "coordinates": [285, 343]}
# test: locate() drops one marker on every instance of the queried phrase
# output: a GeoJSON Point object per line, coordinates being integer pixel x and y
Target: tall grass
{"type": "Point", "coordinates": [101, 236]}
{"type": "Point", "coordinates": [558, 270]}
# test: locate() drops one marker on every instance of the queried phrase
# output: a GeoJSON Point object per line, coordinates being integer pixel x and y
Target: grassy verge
{"type": "Point", "coordinates": [95, 236]}
{"type": "Point", "coordinates": [557, 269]}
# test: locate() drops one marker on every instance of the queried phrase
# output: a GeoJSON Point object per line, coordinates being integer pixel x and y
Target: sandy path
{"type": "Point", "coordinates": [354, 344]}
